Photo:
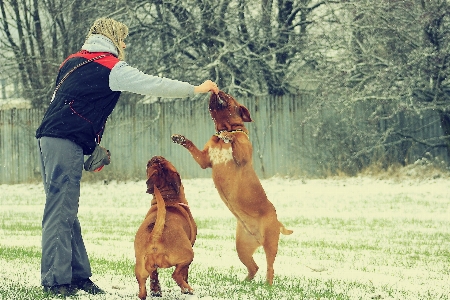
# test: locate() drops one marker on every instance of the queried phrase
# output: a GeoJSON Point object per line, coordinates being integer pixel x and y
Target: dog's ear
{"type": "Point", "coordinates": [175, 181]}
{"type": "Point", "coordinates": [245, 114]}
{"type": "Point", "coordinates": [150, 186]}
{"type": "Point", "coordinates": [150, 182]}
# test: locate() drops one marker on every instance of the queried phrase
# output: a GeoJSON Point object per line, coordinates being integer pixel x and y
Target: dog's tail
{"type": "Point", "coordinates": [284, 230]}
{"type": "Point", "coordinates": [160, 216]}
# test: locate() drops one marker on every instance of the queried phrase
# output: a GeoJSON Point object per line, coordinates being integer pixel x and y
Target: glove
{"type": "Point", "coordinates": [98, 159]}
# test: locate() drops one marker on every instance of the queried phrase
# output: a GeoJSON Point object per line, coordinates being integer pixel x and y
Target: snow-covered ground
{"type": "Point", "coordinates": [380, 228]}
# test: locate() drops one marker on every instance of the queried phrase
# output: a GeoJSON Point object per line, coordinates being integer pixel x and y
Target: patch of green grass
{"type": "Point", "coordinates": [343, 246]}
{"type": "Point", "coordinates": [215, 223]}
{"type": "Point", "coordinates": [19, 253]}
{"type": "Point", "coordinates": [19, 220]}
{"type": "Point", "coordinates": [101, 265]}
{"type": "Point", "coordinates": [118, 266]}
{"type": "Point", "coordinates": [283, 288]}
{"type": "Point", "coordinates": [21, 228]}
{"type": "Point", "coordinates": [14, 290]}
{"type": "Point", "coordinates": [212, 236]}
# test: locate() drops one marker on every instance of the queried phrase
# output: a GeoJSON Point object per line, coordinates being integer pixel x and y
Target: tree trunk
{"type": "Point", "coordinates": [445, 125]}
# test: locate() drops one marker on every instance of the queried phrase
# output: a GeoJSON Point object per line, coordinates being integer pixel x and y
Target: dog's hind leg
{"type": "Point", "coordinates": [272, 235]}
{"type": "Point", "coordinates": [185, 274]}
{"type": "Point", "coordinates": [180, 277]}
{"type": "Point", "coordinates": [141, 277]}
{"type": "Point", "coordinates": [155, 287]}
{"type": "Point", "coordinates": [246, 245]}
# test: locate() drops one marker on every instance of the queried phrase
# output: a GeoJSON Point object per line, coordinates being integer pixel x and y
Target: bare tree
{"type": "Point", "coordinates": [248, 47]}
{"type": "Point", "coordinates": [390, 57]}
{"type": "Point", "coordinates": [25, 34]}
{"type": "Point", "coordinates": [35, 36]}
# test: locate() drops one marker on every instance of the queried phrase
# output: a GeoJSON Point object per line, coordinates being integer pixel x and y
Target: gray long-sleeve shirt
{"type": "Point", "coordinates": [123, 77]}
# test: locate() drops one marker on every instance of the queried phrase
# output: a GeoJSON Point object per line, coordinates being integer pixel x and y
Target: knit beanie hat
{"type": "Point", "coordinates": [112, 29]}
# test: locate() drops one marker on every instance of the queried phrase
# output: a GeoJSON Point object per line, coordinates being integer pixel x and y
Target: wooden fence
{"type": "Point", "coordinates": [135, 133]}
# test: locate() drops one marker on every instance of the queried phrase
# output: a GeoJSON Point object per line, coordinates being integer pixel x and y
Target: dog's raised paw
{"type": "Point", "coordinates": [178, 139]}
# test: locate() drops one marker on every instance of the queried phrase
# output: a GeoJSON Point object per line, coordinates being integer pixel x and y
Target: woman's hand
{"type": "Point", "coordinates": [205, 87]}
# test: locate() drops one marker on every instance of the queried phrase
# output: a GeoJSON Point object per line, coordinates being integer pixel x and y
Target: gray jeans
{"type": "Point", "coordinates": [64, 256]}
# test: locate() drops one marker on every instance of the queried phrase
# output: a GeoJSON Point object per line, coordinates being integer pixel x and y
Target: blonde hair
{"type": "Point", "coordinates": [112, 29]}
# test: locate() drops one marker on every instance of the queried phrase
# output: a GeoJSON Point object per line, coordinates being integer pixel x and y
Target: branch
{"type": "Point", "coordinates": [424, 142]}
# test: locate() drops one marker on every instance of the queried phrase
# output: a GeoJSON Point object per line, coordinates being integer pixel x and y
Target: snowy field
{"type": "Point", "coordinates": [354, 238]}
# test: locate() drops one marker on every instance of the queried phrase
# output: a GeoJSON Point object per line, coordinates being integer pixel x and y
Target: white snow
{"type": "Point", "coordinates": [318, 202]}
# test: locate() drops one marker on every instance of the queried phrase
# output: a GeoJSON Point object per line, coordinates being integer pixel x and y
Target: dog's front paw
{"type": "Point", "coordinates": [179, 139]}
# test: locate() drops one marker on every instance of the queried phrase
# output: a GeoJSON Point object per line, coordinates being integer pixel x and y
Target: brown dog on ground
{"type": "Point", "coordinates": [229, 154]}
{"type": "Point", "coordinates": [166, 236]}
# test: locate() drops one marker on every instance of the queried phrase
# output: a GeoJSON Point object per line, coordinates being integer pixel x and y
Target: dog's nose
{"type": "Point", "coordinates": [220, 101]}
{"type": "Point", "coordinates": [216, 102]}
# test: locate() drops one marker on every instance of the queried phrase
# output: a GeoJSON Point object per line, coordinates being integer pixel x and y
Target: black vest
{"type": "Point", "coordinates": [83, 102]}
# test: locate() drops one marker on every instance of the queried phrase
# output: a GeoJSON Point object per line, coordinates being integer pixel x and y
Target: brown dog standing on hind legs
{"type": "Point", "coordinates": [229, 154]}
{"type": "Point", "coordinates": [168, 232]}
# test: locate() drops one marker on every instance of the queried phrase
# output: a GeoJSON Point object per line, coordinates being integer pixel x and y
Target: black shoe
{"type": "Point", "coordinates": [88, 286]}
{"type": "Point", "coordinates": [61, 290]}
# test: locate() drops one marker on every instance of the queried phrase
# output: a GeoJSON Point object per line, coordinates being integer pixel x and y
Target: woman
{"type": "Point", "coordinates": [89, 84]}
